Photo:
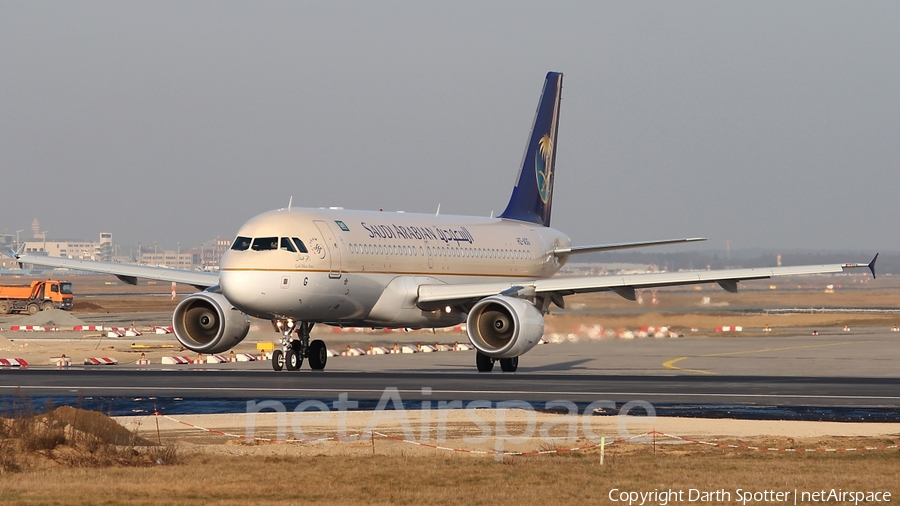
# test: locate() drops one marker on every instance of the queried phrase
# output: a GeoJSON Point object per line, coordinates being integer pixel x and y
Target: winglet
{"type": "Point", "coordinates": [871, 265]}
{"type": "Point", "coordinates": [18, 254]}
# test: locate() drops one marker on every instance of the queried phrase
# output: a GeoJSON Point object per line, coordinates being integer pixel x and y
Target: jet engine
{"type": "Point", "coordinates": [206, 322]}
{"type": "Point", "coordinates": [504, 327]}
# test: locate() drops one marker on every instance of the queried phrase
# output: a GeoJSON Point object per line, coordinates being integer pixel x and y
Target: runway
{"type": "Point", "coordinates": [448, 386]}
{"type": "Point", "coordinates": [840, 369]}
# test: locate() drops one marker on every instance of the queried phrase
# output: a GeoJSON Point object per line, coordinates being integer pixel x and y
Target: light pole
{"type": "Point", "coordinates": [17, 238]}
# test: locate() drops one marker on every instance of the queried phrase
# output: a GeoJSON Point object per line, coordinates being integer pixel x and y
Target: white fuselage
{"type": "Point", "coordinates": [363, 268]}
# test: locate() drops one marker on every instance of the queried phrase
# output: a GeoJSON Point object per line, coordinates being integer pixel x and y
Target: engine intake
{"type": "Point", "coordinates": [203, 324]}
{"type": "Point", "coordinates": [504, 327]}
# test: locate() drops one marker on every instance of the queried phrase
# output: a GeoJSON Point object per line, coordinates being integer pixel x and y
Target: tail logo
{"type": "Point", "coordinates": [543, 169]}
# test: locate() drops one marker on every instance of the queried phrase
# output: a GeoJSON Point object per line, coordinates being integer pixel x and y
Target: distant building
{"type": "Point", "coordinates": [101, 250]}
{"type": "Point", "coordinates": [187, 260]}
{"type": "Point", "coordinates": [213, 251]}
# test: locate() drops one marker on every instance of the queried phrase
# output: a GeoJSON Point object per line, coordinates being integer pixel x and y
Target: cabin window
{"type": "Point", "coordinates": [65, 288]}
{"type": "Point", "coordinates": [300, 246]}
{"type": "Point", "coordinates": [241, 244]}
{"type": "Point", "coordinates": [287, 245]}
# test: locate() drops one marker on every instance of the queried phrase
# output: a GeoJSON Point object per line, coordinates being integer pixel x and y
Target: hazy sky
{"type": "Point", "coordinates": [772, 124]}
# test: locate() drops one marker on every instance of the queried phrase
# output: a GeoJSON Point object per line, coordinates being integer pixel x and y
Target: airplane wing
{"type": "Point", "coordinates": [621, 245]}
{"type": "Point", "coordinates": [126, 272]}
{"type": "Point", "coordinates": [437, 296]}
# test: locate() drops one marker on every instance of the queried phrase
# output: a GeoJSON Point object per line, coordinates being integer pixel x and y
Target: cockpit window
{"type": "Point", "coordinates": [241, 244]}
{"type": "Point", "coordinates": [264, 243]}
{"type": "Point", "coordinates": [287, 245]}
{"type": "Point", "coordinates": [300, 245]}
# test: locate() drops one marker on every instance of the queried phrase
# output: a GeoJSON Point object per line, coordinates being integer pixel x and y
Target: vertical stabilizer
{"type": "Point", "coordinates": [533, 195]}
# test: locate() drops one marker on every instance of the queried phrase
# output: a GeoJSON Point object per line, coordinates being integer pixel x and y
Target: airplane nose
{"type": "Point", "coordinates": [243, 289]}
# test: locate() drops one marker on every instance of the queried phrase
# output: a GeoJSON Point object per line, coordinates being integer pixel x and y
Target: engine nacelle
{"type": "Point", "coordinates": [504, 327]}
{"type": "Point", "coordinates": [206, 322]}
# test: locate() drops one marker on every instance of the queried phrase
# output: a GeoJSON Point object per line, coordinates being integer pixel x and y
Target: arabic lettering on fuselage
{"type": "Point", "coordinates": [423, 233]}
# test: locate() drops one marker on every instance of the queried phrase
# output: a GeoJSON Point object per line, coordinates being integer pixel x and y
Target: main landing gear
{"type": "Point", "coordinates": [293, 351]}
{"type": "Point", "coordinates": [486, 363]}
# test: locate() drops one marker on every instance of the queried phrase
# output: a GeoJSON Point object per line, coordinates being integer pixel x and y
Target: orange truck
{"type": "Point", "coordinates": [39, 296]}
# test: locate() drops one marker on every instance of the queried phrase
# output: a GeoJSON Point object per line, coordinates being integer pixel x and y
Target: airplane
{"type": "Point", "coordinates": [299, 267]}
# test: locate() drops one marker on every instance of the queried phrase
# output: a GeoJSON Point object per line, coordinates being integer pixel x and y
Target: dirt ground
{"type": "Point", "coordinates": [733, 458]}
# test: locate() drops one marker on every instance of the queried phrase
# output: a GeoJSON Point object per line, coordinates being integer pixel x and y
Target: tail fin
{"type": "Point", "coordinates": [533, 195]}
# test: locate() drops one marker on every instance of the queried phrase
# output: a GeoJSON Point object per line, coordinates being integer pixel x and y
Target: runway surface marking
{"type": "Point", "coordinates": [670, 364]}
{"type": "Point", "coordinates": [417, 391]}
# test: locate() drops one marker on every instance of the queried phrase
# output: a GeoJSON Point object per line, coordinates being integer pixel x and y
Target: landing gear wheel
{"type": "Point", "coordinates": [46, 306]}
{"type": "Point", "coordinates": [33, 308]}
{"type": "Point", "coordinates": [4, 307]}
{"type": "Point", "coordinates": [509, 364]}
{"type": "Point", "coordinates": [294, 359]}
{"type": "Point", "coordinates": [484, 362]}
{"type": "Point", "coordinates": [318, 355]}
{"type": "Point", "coordinates": [277, 360]}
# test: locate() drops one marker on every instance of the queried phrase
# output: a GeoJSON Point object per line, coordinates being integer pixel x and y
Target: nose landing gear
{"type": "Point", "coordinates": [293, 351]}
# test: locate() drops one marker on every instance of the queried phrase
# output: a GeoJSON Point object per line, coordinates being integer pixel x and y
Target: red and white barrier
{"type": "Point", "coordinates": [143, 361]}
{"type": "Point", "coordinates": [27, 328]}
{"type": "Point", "coordinates": [177, 360]}
{"type": "Point", "coordinates": [133, 333]}
{"type": "Point", "coordinates": [87, 328]}
{"type": "Point", "coordinates": [115, 334]}
{"type": "Point", "coordinates": [216, 359]}
{"type": "Point", "coordinates": [13, 362]}
{"type": "Point", "coordinates": [729, 329]}
{"type": "Point", "coordinates": [100, 361]}
{"type": "Point", "coordinates": [376, 350]}
{"type": "Point", "coordinates": [244, 357]}
{"type": "Point", "coordinates": [163, 330]}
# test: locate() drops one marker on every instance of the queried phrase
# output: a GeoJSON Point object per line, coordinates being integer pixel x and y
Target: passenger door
{"type": "Point", "coordinates": [334, 250]}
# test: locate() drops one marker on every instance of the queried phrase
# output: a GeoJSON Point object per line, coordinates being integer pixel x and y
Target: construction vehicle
{"type": "Point", "coordinates": [41, 295]}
